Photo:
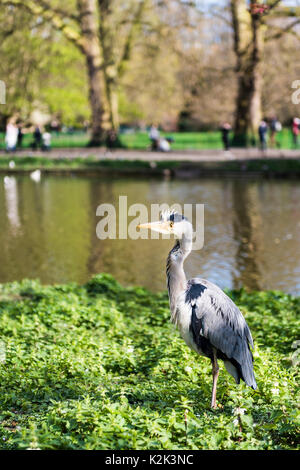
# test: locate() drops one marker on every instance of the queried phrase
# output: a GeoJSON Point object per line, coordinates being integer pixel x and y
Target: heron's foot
{"type": "Point", "coordinates": [216, 406]}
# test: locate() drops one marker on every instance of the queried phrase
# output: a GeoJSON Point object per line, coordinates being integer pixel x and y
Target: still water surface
{"type": "Point", "coordinates": [251, 236]}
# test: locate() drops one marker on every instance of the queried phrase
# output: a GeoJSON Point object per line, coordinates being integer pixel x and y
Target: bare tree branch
{"type": "Point", "coordinates": [281, 11]}
{"type": "Point", "coordinates": [217, 14]}
{"type": "Point", "coordinates": [273, 5]}
{"type": "Point", "coordinates": [282, 31]}
{"type": "Point", "coordinates": [131, 36]}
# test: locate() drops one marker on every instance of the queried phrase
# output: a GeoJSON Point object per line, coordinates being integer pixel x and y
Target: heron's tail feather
{"type": "Point", "coordinates": [247, 368]}
{"type": "Point", "coordinates": [244, 372]}
{"type": "Point", "coordinates": [248, 374]}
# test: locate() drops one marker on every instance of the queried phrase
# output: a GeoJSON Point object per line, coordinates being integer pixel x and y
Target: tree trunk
{"type": "Point", "coordinates": [114, 63]}
{"type": "Point", "coordinates": [113, 100]}
{"type": "Point", "coordinates": [107, 37]}
{"type": "Point", "coordinates": [91, 48]}
{"type": "Point", "coordinates": [248, 47]}
{"type": "Point", "coordinates": [95, 92]}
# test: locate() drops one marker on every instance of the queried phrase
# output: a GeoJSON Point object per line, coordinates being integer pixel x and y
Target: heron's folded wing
{"type": "Point", "coordinates": [219, 319]}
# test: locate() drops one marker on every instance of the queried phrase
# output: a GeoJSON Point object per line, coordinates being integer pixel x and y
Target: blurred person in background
{"type": "Point", "coordinates": [20, 136]}
{"type": "Point", "coordinates": [11, 136]}
{"type": "Point", "coordinates": [262, 133]}
{"type": "Point", "coordinates": [154, 136]}
{"type": "Point", "coordinates": [275, 126]}
{"type": "Point", "coordinates": [163, 145]}
{"type": "Point", "coordinates": [295, 131]}
{"type": "Point", "coordinates": [225, 129]}
{"type": "Point", "coordinates": [111, 139]}
{"type": "Point", "coordinates": [46, 138]}
{"type": "Point", "coordinates": [37, 138]}
{"type": "Point", "coordinates": [54, 126]}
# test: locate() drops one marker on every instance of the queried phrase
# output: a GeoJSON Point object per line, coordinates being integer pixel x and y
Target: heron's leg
{"type": "Point", "coordinates": [215, 372]}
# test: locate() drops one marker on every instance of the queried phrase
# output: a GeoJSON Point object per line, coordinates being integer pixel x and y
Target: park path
{"type": "Point", "coordinates": [144, 155]}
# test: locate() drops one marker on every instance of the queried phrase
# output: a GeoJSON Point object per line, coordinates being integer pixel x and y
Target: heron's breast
{"type": "Point", "coordinates": [183, 322]}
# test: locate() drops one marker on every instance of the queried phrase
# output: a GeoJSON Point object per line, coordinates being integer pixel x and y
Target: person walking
{"type": "Point", "coordinates": [262, 133]}
{"type": "Point", "coordinates": [11, 136]}
{"type": "Point", "coordinates": [37, 138]}
{"type": "Point", "coordinates": [225, 129]}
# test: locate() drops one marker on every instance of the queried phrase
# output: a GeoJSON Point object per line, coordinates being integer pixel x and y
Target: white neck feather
{"type": "Point", "coordinates": [176, 279]}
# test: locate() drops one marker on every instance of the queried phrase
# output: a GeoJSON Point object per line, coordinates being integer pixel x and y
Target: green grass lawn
{"type": "Point", "coordinates": [140, 140]}
{"type": "Point", "coordinates": [182, 140]}
{"type": "Point", "coordinates": [60, 140]}
{"type": "Point", "coordinates": [101, 367]}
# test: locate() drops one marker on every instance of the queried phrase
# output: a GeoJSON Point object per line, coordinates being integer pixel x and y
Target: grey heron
{"type": "Point", "coordinates": [208, 320]}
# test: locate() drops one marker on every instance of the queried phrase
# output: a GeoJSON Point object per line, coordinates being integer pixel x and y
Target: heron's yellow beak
{"type": "Point", "coordinates": [160, 226]}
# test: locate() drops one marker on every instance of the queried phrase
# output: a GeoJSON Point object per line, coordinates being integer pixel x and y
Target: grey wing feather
{"type": "Point", "coordinates": [222, 324]}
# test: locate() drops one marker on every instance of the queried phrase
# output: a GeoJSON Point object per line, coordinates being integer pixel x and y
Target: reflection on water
{"type": "Point", "coordinates": [11, 199]}
{"type": "Point", "coordinates": [248, 234]}
{"type": "Point", "coordinates": [48, 231]}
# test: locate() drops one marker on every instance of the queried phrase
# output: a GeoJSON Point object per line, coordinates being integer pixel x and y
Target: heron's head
{"type": "Point", "coordinates": [171, 223]}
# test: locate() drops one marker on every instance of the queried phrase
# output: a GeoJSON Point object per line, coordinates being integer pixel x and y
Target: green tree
{"type": "Point", "coordinates": [106, 34]}
{"type": "Point", "coordinates": [40, 69]}
{"type": "Point", "coordinates": [92, 27]}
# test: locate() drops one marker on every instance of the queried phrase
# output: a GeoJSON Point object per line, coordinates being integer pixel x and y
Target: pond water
{"type": "Point", "coordinates": [251, 231]}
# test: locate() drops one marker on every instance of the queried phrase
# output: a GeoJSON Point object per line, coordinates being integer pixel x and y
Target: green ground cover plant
{"type": "Point", "coordinates": [45, 161]}
{"type": "Point", "coordinates": [100, 366]}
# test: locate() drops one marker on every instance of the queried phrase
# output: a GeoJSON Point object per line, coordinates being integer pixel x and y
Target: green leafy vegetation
{"type": "Point", "coordinates": [100, 366]}
{"type": "Point", "coordinates": [90, 163]}
{"type": "Point", "coordinates": [263, 166]}
{"type": "Point", "coordinates": [28, 162]}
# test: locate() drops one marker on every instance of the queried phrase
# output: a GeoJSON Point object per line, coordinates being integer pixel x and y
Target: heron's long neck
{"type": "Point", "coordinates": [176, 280]}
